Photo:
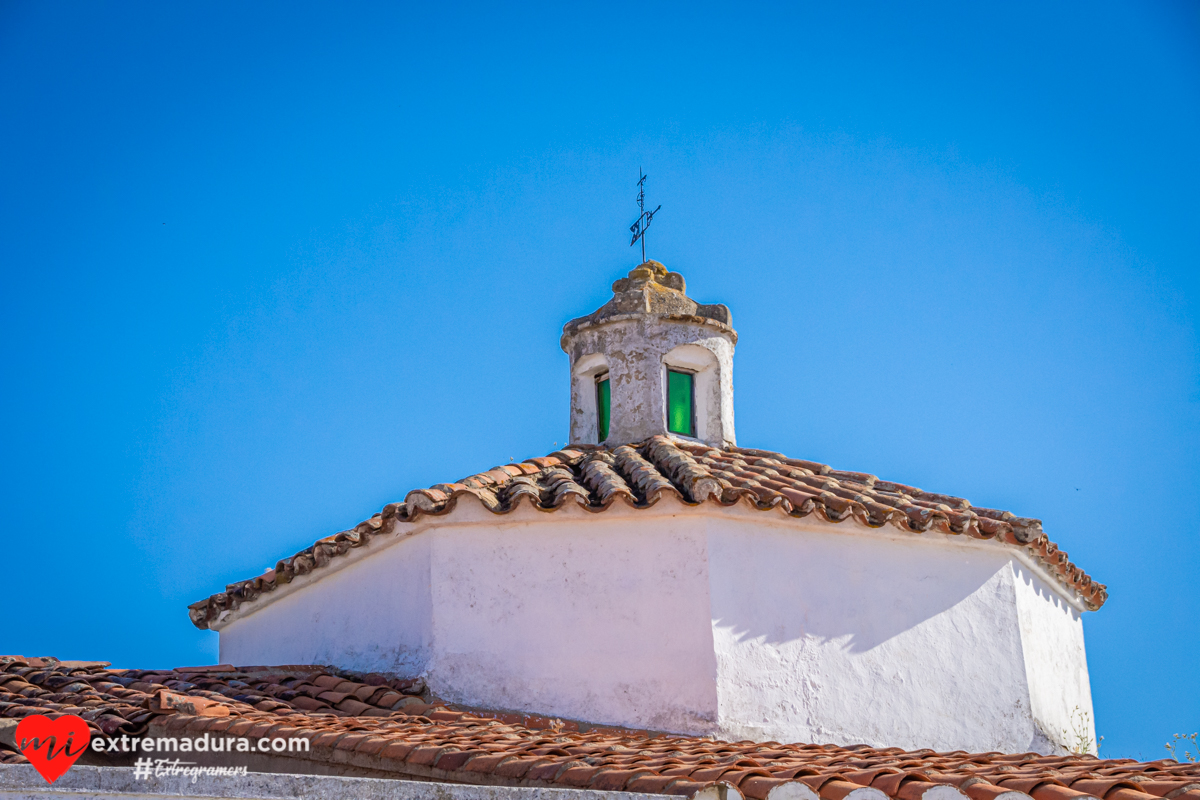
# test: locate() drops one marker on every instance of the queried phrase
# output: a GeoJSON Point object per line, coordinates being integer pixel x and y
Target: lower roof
{"type": "Point", "coordinates": [595, 477]}
{"type": "Point", "coordinates": [391, 726]}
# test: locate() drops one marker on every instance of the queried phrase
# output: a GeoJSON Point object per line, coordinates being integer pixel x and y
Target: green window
{"type": "Point", "coordinates": [679, 403]}
{"type": "Point", "coordinates": [603, 404]}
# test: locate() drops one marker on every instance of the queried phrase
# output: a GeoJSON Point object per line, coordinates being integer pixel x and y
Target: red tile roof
{"type": "Point", "coordinates": [596, 477]}
{"type": "Point", "coordinates": [385, 725]}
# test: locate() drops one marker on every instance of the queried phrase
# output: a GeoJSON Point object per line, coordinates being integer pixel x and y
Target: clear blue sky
{"type": "Point", "coordinates": [265, 270]}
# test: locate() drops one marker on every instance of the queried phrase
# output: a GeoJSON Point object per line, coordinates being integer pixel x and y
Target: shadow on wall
{"type": "Point", "coordinates": [855, 592]}
{"type": "Point", "coordinates": [1045, 593]}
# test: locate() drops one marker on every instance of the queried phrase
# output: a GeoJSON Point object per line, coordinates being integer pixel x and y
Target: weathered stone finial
{"type": "Point", "coordinates": [651, 289]}
{"type": "Point", "coordinates": [643, 348]}
{"type": "Point", "coordinates": [650, 271]}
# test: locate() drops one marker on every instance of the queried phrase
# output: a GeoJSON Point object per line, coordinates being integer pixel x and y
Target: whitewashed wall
{"type": "Point", "coordinates": [735, 622]}
{"type": "Point", "coordinates": [590, 617]}
{"type": "Point", "coordinates": [371, 612]}
{"type": "Point", "coordinates": [576, 614]}
{"type": "Point", "coordinates": [1052, 635]}
{"type": "Point", "coordinates": [867, 637]}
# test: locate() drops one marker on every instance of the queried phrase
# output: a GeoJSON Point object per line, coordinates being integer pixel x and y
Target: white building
{"type": "Point", "coordinates": [655, 575]}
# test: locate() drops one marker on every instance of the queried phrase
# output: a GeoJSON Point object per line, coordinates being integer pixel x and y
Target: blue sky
{"type": "Point", "coordinates": [266, 269]}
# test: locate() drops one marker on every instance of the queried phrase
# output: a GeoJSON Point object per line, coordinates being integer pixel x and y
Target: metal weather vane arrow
{"type": "Point", "coordinates": [638, 228]}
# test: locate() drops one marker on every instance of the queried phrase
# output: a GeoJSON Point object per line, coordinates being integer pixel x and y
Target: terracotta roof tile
{"type": "Point", "coordinates": [596, 477]}
{"type": "Point", "coordinates": [448, 743]}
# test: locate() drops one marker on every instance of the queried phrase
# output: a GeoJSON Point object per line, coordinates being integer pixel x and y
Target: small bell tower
{"type": "Point", "coordinates": [651, 361]}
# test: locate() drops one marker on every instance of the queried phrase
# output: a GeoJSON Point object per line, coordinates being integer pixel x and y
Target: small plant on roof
{"type": "Point", "coordinates": [1189, 740]}
{"type": "Point", "coordinates": [1079, 737]}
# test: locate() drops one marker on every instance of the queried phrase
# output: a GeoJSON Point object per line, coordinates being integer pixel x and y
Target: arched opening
{"type": "Point", "coordinates": [592, 396]}
{"type": "Point", "coordinates": [690, 391]}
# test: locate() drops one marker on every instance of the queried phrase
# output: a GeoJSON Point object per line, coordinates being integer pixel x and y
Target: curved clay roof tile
{"type": "Point", "coordinates": [596, 476]}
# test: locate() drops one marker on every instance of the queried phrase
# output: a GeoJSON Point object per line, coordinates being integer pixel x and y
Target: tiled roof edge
{"type": "Point", "coordinates": [388, 725]}
{"type": "Point", "coordinates": [595, 477]}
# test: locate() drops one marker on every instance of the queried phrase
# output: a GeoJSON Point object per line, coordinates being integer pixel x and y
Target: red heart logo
{"type": "Point", "coordinates": [52, 745]}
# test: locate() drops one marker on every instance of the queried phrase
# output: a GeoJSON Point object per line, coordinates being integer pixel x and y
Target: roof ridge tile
{"type": "Point", "coordinates": [596, 476]}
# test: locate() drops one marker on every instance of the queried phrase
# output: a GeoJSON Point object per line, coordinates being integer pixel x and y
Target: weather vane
{"type": "Point", "coordinates": [643, 221]}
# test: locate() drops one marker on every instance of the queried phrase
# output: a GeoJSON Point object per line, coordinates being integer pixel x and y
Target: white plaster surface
{"type": "Point", "coordinates": [736, 622]}
{"type": "Point", "coordinates": [866, 638]}
{"type": "Point", "coordinates": [597, 618]}
{"type": "Point", "coordinates": [373, 615]}
{"type": "Point", "coordinates": [1055, 661]}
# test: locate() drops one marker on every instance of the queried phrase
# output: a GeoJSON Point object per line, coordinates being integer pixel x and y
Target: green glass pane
{"type": "Point", "coordinates": [602, 407]}
{"type": "Point", "coordinates": [679, 403]}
